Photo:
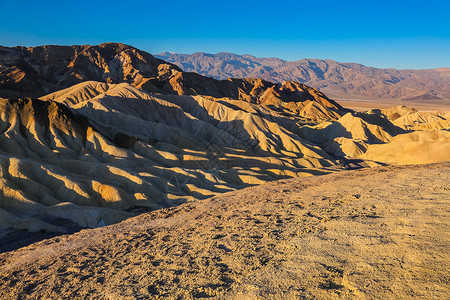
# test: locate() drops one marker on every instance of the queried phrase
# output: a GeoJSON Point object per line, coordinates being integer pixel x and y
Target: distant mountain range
{"type": "Point", "coordinates": [336, 79]}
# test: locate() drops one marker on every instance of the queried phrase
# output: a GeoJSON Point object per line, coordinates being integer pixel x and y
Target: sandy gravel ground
{"type": "Point", "coordinates": [377, 233]}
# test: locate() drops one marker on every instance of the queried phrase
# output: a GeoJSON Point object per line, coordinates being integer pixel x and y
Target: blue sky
{"type": "Point", "coordinates": [398, 34]}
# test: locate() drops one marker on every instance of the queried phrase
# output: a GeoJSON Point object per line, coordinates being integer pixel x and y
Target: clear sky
{"type": "Point", "coordinates": [398, 34]}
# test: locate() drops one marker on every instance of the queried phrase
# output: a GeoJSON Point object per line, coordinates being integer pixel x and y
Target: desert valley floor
{"type": "Point", "coordinates": [360, 234]}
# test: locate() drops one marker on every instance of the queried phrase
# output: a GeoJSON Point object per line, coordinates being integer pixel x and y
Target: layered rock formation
{"type": "Point", "coordinates": [345, 80]}
{"type": "Point", "coordinates": [95, 153]}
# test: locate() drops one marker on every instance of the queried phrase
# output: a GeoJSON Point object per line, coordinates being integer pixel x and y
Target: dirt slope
{"type": "Point", "coordinates": [364, 234]}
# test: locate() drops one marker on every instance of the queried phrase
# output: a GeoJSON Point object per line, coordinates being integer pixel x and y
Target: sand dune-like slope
{"type": "Point", "coordinates": [363, 234]}
{"type": "Point", "coordinates": [403, 134]}
{"type": "Point", "coordinates": [96, 152]}
{"type": "Point", "coordinates": [410, 148]}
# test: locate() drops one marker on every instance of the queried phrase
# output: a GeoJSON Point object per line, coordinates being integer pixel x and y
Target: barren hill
{"type": "Point", "coordinates": [377, 233]}
{"type": "Point", "coordinates": [343, 80]}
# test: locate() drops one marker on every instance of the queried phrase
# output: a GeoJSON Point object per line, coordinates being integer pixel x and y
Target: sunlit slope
{"type": "Point", "coordinates": [412, 148]}
{"type": "Point", "coordinates": [398, 135]}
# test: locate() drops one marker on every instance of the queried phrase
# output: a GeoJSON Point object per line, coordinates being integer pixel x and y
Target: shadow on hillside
{"type": "Point", "coordinates": [12, 239]}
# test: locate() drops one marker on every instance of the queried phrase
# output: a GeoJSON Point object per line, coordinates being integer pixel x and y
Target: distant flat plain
{"type": "Point", "coordinates": [420, 105]}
